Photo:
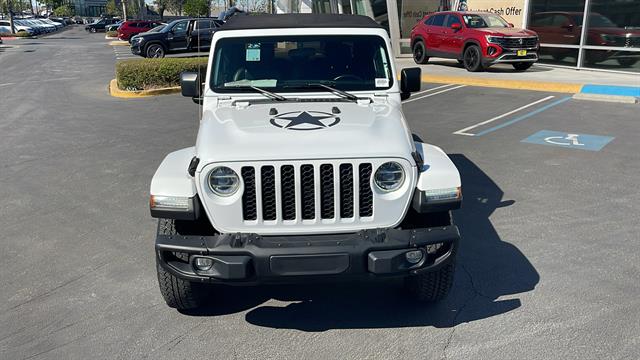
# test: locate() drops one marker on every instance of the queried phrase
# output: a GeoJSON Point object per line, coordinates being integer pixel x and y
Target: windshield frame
{"type": "Point", "coordinates": [484, 17]}
{"type": "Point", "coordinates": [284, 88]}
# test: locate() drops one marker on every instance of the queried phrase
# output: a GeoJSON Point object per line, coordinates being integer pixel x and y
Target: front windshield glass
{"type": "Point", "coordinates": [477, 21]}
{"type": "Point", "coordinates": [157, 28]}
{"type": "Point", "coordinates": [295, 63]}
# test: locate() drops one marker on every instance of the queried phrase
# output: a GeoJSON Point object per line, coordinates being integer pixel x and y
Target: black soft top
{"type": "Point", "coordinates": [285, 21]}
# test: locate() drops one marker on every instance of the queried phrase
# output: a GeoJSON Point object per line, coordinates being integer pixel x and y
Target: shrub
{"type": "Point", "coordinates": [112, 34]}
{"type": "Point", "coordinates": [17, 34]}
{"type": "Point", "coordinates": [144, 74]}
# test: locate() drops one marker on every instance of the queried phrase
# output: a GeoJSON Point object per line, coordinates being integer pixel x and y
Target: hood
{"type": "Point", "coordinates": [303, 130]}
{"type": "Point", "coordinates": [507, 32]}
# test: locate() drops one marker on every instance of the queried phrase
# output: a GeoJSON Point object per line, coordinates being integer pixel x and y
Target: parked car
{"type": "Point", "coordinates": [476, 39]}
{"type": "Point", "coordinates": [28, 29]}
{"type": "Point", "coordinates": [155, 29]}
{"type": "Point", "coordinates": [177, 36]}
{"type": "Point", "coordinates": [566, 28]}
{"type": "Point", "coordinates": [315, 177]}
{"type": "Point", "coordinates": [130, 28]}
{"type": "Point", "coordinates": [113, 27]}
{"type": "Point", "coordinates": [100, 24]}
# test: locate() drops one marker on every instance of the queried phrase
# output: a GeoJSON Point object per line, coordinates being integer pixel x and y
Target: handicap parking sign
{"type": "Point", "coordinates": [569, 140]}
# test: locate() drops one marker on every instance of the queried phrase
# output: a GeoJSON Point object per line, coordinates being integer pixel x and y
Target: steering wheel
{"type": "Point", "coordinates": [347, 77]}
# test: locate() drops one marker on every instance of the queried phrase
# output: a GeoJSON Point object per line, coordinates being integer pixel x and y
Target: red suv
{"type": "Point", "coordinates": [477, 40]}
{"type": "Point", "coordinates": [130, 28]}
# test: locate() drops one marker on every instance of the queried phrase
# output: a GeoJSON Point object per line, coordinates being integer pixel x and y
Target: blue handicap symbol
{"type": "Point", "coordinates": [569, 140]}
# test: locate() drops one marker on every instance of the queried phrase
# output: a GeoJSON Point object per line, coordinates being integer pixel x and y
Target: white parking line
{"type": "Point", "coordinates": [434, 94]}
{"type": "Point", "coordinates": [464, 131]}
{"type": "Point", "coordinates": [432, 89]}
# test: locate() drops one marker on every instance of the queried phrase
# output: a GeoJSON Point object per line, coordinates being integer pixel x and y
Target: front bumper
{"type": "Point", "coordinates": [136, 49]}
{"type": "Point", "coordinates": [250, 258]}
{"type": "Point", "coordinates": [511, 56]}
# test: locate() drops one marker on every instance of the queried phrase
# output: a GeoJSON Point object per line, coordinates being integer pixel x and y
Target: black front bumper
{"type": "Point", "coordinates": [251, 258]}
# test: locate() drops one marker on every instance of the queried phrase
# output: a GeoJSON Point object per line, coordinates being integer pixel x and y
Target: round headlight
{"type": "Point", "coordinates": [389, 176]}
{"type": "Point", "coordinates": [223, 181]}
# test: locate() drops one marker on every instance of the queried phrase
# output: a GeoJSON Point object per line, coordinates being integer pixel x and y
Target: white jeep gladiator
{"type": "Point", "coordinates": [304, 167]}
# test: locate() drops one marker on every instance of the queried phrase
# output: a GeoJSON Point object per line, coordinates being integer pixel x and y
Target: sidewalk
{"type": "Point", "coordinates": [539, 77]}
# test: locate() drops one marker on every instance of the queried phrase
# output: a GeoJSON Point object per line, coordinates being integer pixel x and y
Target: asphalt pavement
{"type": "Point", "coordinates": [548, 266]}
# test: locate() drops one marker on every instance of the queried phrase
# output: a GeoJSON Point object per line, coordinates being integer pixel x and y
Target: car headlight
{"type": "Point", "coordinates": [492, 39]}
{"type": "Point", "coordinates": [389, 176]}
{"type": "Point", "coordinates": [223, 181]}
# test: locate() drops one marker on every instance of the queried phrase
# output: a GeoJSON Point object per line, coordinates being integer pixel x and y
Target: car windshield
{"type": "Point", "coordinates": [157, 28]}
{"type": "Point", "coordinates": [299, 63]}
{"type": "Point", "coordinates": [477, 21]}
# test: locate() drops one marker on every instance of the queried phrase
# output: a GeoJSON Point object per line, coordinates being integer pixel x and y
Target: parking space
{"type": "Point", "coordinates": [547, 268]}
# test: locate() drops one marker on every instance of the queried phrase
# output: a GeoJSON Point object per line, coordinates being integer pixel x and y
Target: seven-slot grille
{"type": "Point", "coordinates": [324, 191]}
{"type": "Point", "coordinates": [516, 42]}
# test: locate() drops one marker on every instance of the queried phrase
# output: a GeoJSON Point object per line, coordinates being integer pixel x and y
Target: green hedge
{"type": "Point", "coordinates": [17, 34]}
{"type": "Point", "coordinates": [145, 74]}
{"type": "Point", "coordinates": [112, 34]}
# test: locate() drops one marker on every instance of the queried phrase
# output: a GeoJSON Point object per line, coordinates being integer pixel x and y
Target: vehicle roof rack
{"type": "Point", "coordinates": [284, 21]}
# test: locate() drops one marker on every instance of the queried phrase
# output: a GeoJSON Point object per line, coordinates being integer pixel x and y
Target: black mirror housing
{"type": "Point", "coordinates": [410, 80]}
{"type": "Point", "coordinates": [190, 84]}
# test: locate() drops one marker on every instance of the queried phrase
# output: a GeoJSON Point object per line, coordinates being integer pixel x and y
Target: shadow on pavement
{"type": "Point", "coordinates": [487, 268]}
{"type": "Point", "coordinates": [498, 68]}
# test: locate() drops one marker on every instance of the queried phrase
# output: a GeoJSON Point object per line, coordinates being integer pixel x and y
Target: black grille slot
{"type": "Point", "coordinates": [249, 209]}
{"type": "Point", "coordinates": [268, 193]}
{"type": "Point", "coordinates": [366, 195]}
{"type": "Point", "coordinates": [514, 43]}
{"type": "Point", "coordinates": [327, 207]}
{"type": "Point", "coordinates": [346, 191]}
{"type": "Point", "coordinates": [288, 190]}
{"type": "Point", "coordinates": [307, 189]}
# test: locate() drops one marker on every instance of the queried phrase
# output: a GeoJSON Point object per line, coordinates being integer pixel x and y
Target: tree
{"type": "Point", "coordinates": [113, 9]}
{"type": "Point", "coordinates": [161, 5]}
{"type": "Point", "coordinates": [64, 10]}
{"type": "Point", "coordinates": [175, 6]}
{"type": "Point", "coordinates": [196, 7]}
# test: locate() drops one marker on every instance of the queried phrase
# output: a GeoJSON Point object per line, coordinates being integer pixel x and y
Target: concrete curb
{"type": "Point", "coordinates": [504, 84]}
{"type": "Point", "coordinates": [123, 94]}
{"type": "Point", "coordinates": [118, 43]}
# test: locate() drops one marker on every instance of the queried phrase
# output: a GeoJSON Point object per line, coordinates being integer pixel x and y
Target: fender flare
{"type": "Point", "coordinates": [438, 172]}
{"type": "Point", "coordinates": [172, 177]}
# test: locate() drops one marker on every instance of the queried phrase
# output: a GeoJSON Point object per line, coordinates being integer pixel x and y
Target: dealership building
{"type": "Point", "coordinates": [610, 41]}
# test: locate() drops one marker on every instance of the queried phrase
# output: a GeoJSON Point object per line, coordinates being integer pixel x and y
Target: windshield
{"type": "Point", "coordinates": [157, 28]}
{"type": "Point", "coordinates": [477, 21]}
{"type": "Point", "coordinates": [299, 63]}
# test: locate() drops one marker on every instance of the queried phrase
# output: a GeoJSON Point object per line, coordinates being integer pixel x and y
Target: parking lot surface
{"type": "Point", "coordinates": [548, 266]}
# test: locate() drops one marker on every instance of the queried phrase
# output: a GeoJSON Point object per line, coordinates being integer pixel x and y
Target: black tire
{"type": "Point", "coordinates": [522, 66]}
{"type": "Point", "coordinates": [461, 62]}
{"type": "Point", "coordinates": [627, 62]}
{"type": "Point", "coordinates": [177, 293]}
{"type": "Point", "coordinates": [472, 59]}
{"type": "Point", "coordinates": [432, 286]}
{"type": "Point", "coordinates": [420, 53]}
{"type": "Point", "coordinates": [154, 51]}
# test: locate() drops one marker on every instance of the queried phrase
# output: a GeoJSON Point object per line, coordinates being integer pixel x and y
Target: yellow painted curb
{"type": "Point", "coordinates": [119, 43]}
{"type": "Point", "coordinates": [115, 92]}
{"type": "Point", "coordinates": [504, 84]}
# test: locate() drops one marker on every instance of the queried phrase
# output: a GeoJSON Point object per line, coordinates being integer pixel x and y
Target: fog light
{"type": "Point", "coordinates": [433, 248]}
{"type": "Point", "coordinates": [413, 256]}
{"type": "Point", "coordinates": [203, 264]}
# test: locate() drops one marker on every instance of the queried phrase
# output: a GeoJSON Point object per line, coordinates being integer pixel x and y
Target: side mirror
{"type": "Point", "coordinates": [190, 84]}
{"type": "Point", "coordinates": [456, 26]}
{"type": "Point", "coordinates": [410, 81]}
{"type": "Point", "coordinates": [510, 25]}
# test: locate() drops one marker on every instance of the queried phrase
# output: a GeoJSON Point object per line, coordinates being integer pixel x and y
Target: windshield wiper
{"type": "Point", "coordinates": [338, 92]}
{"type": "Point", "coordinates": [342, 94]}
{"type": "Point", "coordinates": [267, 93]}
